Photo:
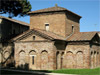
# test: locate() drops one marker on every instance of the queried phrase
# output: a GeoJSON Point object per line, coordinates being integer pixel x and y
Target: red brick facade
{"type": "Point", "coordinates": [62, 46]}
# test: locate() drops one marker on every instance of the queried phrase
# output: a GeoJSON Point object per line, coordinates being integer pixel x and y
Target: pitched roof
{"type": "Point", "coordinates": [43, 33]}
{"type": "Point", "coordinates": [13, 20]}
{"type": "Point", "coordinates": [52, 9]}
{"type": "Point", "coordinates": [82, 36]}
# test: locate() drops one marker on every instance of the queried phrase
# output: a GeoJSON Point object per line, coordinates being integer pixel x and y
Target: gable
{"type": "Point", "coordinates": [31, 38]}
{"type": "Point", "coordinates": [96, 39]}
{"type": "Point", "coordinates": [38, 34]}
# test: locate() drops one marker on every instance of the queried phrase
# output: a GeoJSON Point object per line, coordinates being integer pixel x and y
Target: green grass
{"type": "Point", "coordinates": [79, 71]}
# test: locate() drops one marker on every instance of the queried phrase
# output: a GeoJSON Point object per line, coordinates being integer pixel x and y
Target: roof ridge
{"type": "Point", "coordinates": [40, 32]}
{"type": "Point", "coordinates": [52, 9]}
{"type": "Point", "coordinates": [49, 8]}
{"type": "Point", "coordinates": [49, 31]}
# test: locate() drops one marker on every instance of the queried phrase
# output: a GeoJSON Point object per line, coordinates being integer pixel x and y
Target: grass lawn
{"type": "Point", "coordinates": [79, 71]}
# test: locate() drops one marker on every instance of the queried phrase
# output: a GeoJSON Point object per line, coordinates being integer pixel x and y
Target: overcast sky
{"type": "Point", "coordinates": [88, 9]}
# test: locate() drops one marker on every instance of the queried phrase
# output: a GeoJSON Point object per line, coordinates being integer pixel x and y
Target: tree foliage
{"type": "Point", "coordinates": [15, 7]}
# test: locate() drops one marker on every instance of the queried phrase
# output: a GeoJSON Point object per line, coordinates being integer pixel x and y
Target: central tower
{"type": "Point", "coordinates": [55, 19]}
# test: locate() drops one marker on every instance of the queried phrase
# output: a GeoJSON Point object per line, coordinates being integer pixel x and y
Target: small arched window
{"type": "Point", "coordinates": [97, 52]}
{"type": "Point", "coordinates": [91, 53]}
{"type": "Point", "coordinates": [47, 26]}
{"type": "Point", "coordinates": [72, 28]}
{"type": "Point", "coordinates": [33, 37]}
{"type": "Point", "coordinates": [94, 52]}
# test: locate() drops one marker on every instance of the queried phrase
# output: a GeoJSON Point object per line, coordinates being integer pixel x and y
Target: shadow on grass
{"type": "Point", "coordinates": [34, 72]}
{"type": "Point", "coordinates": [22, 70]}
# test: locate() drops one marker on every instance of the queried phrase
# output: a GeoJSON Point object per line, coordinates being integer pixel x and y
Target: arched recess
{"type": "Point", "coordinates": [32, 52]}
{"type": "Point", "coordinates": [92, 59]}
{"type": "Point", "coordinates": [69, 59]}
{"type": "Point", "coordinates": [6, 54]}
{"type": "Point", "coordinates": [32, 59]}
{"type": "Point", "coordinates": [22, 58]}
{"type": "Point", "coordinates": [79, 59]}
{"type": "Point", "coordinates": [57, 60]}
{"type": "Point", "coordinates": [0, 57]}
{"type": "Point", "coordinates": [98, 59]}
{"type": "Point", "coordinates": [95, 56]}
{"type": "Point", "coordinates": [44, 60]}
{"type": "Point", "coordinates": [62, 61]}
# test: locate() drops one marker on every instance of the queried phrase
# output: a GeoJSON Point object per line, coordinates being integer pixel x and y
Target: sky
{"type": "Point", "coordinates": [88, 9]}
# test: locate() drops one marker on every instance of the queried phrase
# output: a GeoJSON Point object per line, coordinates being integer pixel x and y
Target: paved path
{"type": "Point", "coordinates": [35, 73]}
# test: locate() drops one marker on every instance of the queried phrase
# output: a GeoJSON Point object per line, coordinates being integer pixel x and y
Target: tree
{"type": "Point", "coordinates": [15, 7]}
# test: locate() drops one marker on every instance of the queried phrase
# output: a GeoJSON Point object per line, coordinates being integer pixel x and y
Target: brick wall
{"type": "Point", "coordinates": [77, 56]}
{"type": "Point", "coordinates": [7, 55]}
{"type": "Point", "coordinates": [56, 22]}
{"type": "Point", "coordinates": [41, 50]}
{"type": "Point", "coordinates": [95, 55]}
{"type": "Point", "coordinates": [59, 22]}
{"type": "Point", "coordinates": [72, 21]}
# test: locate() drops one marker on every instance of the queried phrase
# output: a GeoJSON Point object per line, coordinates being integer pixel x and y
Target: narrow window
{"type": "Point", "coordinates": [32, 59]}
{"type": "Point", "coordinates": [94, 52]}
{"type": "Point", "coordinates": [72, 28]}
{"type": "Point", "coordinates": [47, 26]}
{"type": "Point", "coordinates": [91, 53]}
{"type": "Point", "coordinates": [33, 37]}
{"type": "Point", "coordinates": [97, 52]}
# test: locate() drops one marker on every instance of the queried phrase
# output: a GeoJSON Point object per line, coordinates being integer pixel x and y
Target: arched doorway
{"type": "Point", "coordinates": [79, 59]}
{"type": "Point", "coordinates": [44, 60]}
{"type": "Point", "coordinates": [22, 59]}
{"type": "Point", "coordinates": [69, 60]}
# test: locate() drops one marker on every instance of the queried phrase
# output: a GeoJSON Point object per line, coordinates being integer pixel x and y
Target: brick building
{"type": "Point", "coordinates": [54, 41]}
{"type": "Point", "coordinates": [9, 28]}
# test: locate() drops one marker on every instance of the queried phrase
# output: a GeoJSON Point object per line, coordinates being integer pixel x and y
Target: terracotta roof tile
{"type": "Point", "coordinates": [13, 20]}
{"type": "Point", "coordinates": [52, 9]}
{"type": "Point", "coordinates": [49, 34]}
{"type": "Point", "coordinates": [43, 33]}
{"type": "Point", "coordinates": [82, 36]}
{"type": "Point", "coordinates": [48, 10]}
